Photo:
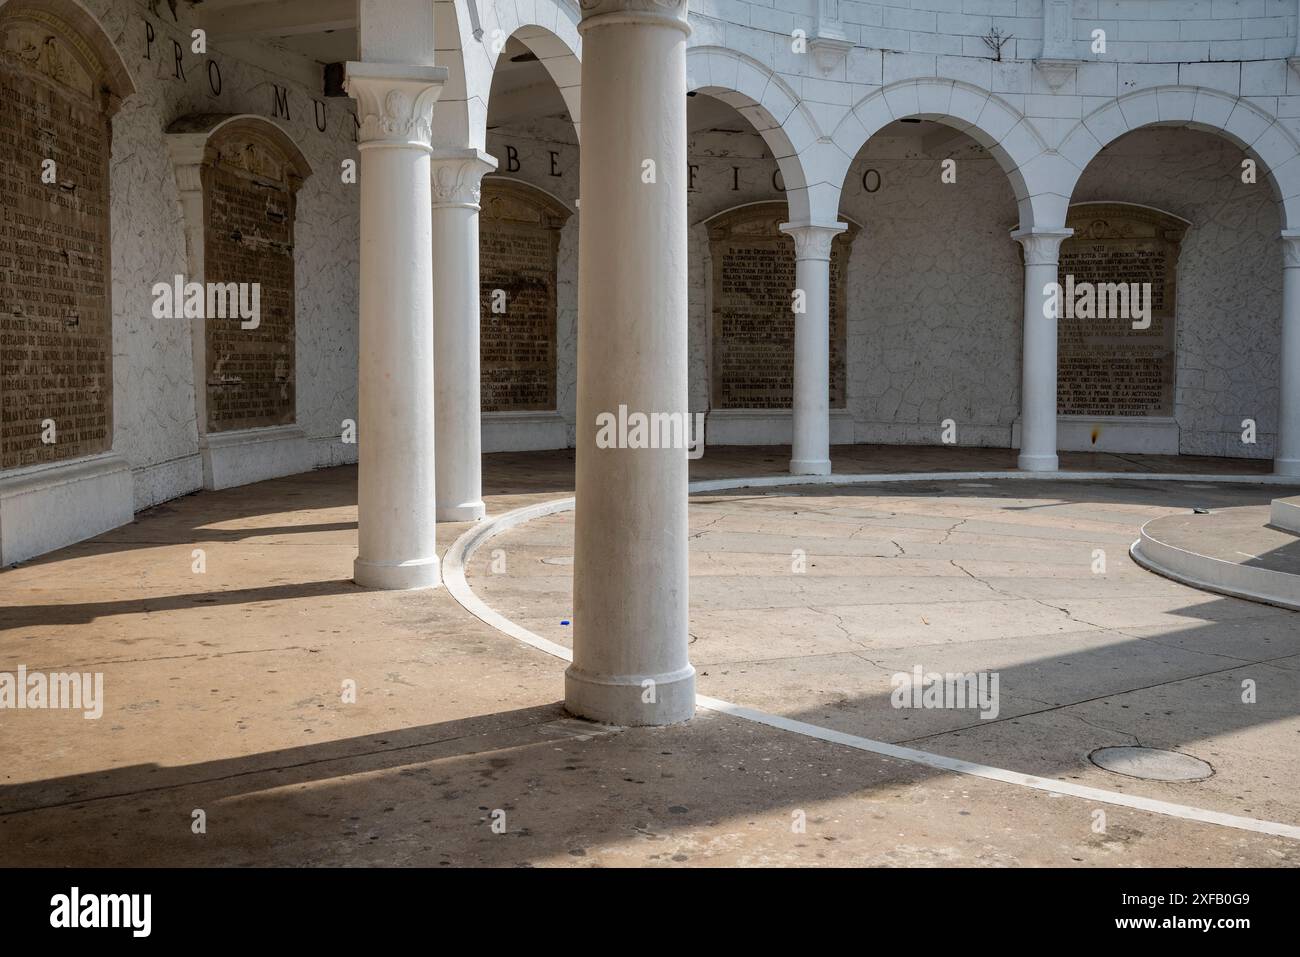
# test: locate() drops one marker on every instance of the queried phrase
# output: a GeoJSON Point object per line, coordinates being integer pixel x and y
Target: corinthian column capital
{"type": "Point", "coordinates": [813, 240]}
{"type": "Point", "coordinates": [457, 176]}
{"type": "Point", "coordinates": [395, 102]}
{"type": "Point", "coordinates": [663, 12]}
{"type": "Point", "coordinates": [1042, 246]}
{"type": "Point", "coordinates": [1290, 248]}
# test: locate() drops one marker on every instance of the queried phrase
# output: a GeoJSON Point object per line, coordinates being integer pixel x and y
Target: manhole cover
{"type": "Point", "coordinates": [565, 560]}
{"type": "Point", "coordinates": [1151, 764]}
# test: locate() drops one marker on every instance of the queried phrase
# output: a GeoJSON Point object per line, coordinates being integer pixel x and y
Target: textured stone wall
{"type": "Point", "coordinates": [959, 308]}
{"type": "Point", "coordinates": [935, 282]}
{"type": "Point", "coordinates": [155, 428]}
{"type": "Point", "coordinates": [1137, 30]}
{"type": "Point", "coordinates": [934, 294]}
{"type": "Point", "coordinates": [1229, 280]}
{"type": "Point", "coordinates": [524, 152]}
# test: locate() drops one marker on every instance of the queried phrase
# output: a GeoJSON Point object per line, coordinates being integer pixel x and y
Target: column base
{"type": "Point", "coordinates": [1038, 463]}
{"type": "Point", "coordinates": [1286, 466]}
{"type": "Point", "coordinates": [398, 576]}
{"type": "Point", "coordinates": [466, 512]}
{"type": "Point", "coordinates": [617, 699]}
{"type": "Point", "coordinates": [810, 467]}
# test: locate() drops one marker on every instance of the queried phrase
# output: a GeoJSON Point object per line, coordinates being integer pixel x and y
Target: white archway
{"type": "Point", "coordinates": [1198, 108]}
{"type": "Point", "coordinates": [769, 104]}
{"type": "Point", "coordinates": [549, 28]}
{"type": "Point", "coordinates": [988, 119]}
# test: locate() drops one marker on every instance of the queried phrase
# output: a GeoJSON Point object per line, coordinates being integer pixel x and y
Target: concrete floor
{"type": "Point", "coordinates": [1242, 536]}
{"type": "Point", "coordinates": [224, 688]}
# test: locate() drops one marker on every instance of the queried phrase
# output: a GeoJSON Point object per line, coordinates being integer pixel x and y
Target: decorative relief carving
{"type": "Point", "coordinates": [1290, 251]}
{"type": "Point", "coordinates": [43, 43]}
{"type": "Point", "coordinates": [457, 181]}
{"type": "Point", "coordinates": [811, 242]}
{"type": "Point", "coordinates": [392, 109]}
{"type": "Point", "coordinates": [1041, 248]}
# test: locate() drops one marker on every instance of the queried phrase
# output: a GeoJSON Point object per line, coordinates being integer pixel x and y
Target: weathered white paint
{"type": "Point", "coordinates": [630, 664]}
{"type": "Point", "coordinates": [456, 182]}
{"type": "Point", "coordinates": [1227, 74]}
{"type": "Point", "coordinates": [810, 452]}
{"type": "Point", "coordinates": [395, 480]}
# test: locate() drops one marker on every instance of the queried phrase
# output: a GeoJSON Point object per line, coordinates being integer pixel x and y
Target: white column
{"type": "Point", "coordinates": [630, 664]}
{"type": "Point", "coordinates": [1038, 359]}
{"type": "Point", "coordinates": [395, 438]}
{"type": "Point", "coordinates": [457, 178]}
{"type": "Point", "coordinates": [1286, 458]}
{"type": "Point", "coordinates": [810, 446]}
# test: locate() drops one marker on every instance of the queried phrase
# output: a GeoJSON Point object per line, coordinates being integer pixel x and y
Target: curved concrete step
{"type": "Point", "coordinates": [1231, 552]}
{"type": "Point", "coordinates": [1285, 514]}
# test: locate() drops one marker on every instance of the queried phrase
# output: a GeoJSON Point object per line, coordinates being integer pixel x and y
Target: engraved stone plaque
{"type": "Point", "coordinates": [519, 238]}
{"type": "Point", "coordinates": [1105, 366]}
{"type": "Point", "coordinates": [752, 327]}
{"type": "Point", "coordinates": [249, 186]}
{"type": "Point", "coordinates": [56, 335]}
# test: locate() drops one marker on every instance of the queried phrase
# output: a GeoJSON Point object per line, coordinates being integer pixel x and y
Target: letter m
{"type": "Point", "coordinates": [223, 300]}
{"type": "Point", "coordinates": [1115, 295]}
{"type": "Point", "coordinates": [66, 689]}
{"type": "Point", "coordinates": [281, 101]}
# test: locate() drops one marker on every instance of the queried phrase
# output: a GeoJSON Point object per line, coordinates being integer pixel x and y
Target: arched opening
{"type": "Point", "coordinates": [1200, 376]}
{"type": "Point", "coordinates": [61, 82]}
{"type": "Point", "coordinates": [742, 271]}
{"type": "Point", "coordinates": [935, 289]}
{"type": "Point", "coordinates": [528, 248]}
{"type": "Point", "coordinates": [61, 85]}
{"type": "Point", "coordinates": [239, 177]}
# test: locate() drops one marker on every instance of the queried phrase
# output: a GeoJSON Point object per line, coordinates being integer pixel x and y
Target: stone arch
{"type": "Point", "coordinates": [61, 81]}
{"type": "Point", "coordinates": [769, 104]}
{"type": "Point", "coordinates": [238, 176]}
{"type": "Point", "coordinates": [549, 29]}
{"type": "Point", "coordinates": [1237, 120]}
{"type": "Point", "coordinates": [209, 129]}
{"type": "Point", "coordinates": [91, 58]}
{"type": "Point", "coordinates": [988, 119]}
{"type": "Point", "coordinates": [561, 64]}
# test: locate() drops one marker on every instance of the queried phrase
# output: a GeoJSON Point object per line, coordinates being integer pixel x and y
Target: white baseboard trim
{"type": "Point", "coordinates": [163, 481]}
{"type": "Point", "coordinates": [1112, 433]}
{"type": "Point", "coordinates": [524, 431]}
{"type": "Point", "coordinates": [44, 507]}
{"type": "Point", "coordinates": [238, 458]}
{"type": "Point", "coordinates": [767, 427]}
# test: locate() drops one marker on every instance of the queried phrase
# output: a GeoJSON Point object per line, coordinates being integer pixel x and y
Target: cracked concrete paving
{"type": "Point", "coordinates": [223, 690]}
{"type": "Point", "coordinates": [1090, 649]}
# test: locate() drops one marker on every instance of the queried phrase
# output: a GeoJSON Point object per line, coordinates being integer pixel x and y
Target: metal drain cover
{"type": "Point", "coordinates": [1151, 764]}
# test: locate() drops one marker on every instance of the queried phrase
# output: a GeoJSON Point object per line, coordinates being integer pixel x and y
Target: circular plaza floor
{"type": "Point", "coordinates": [840, 606]}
